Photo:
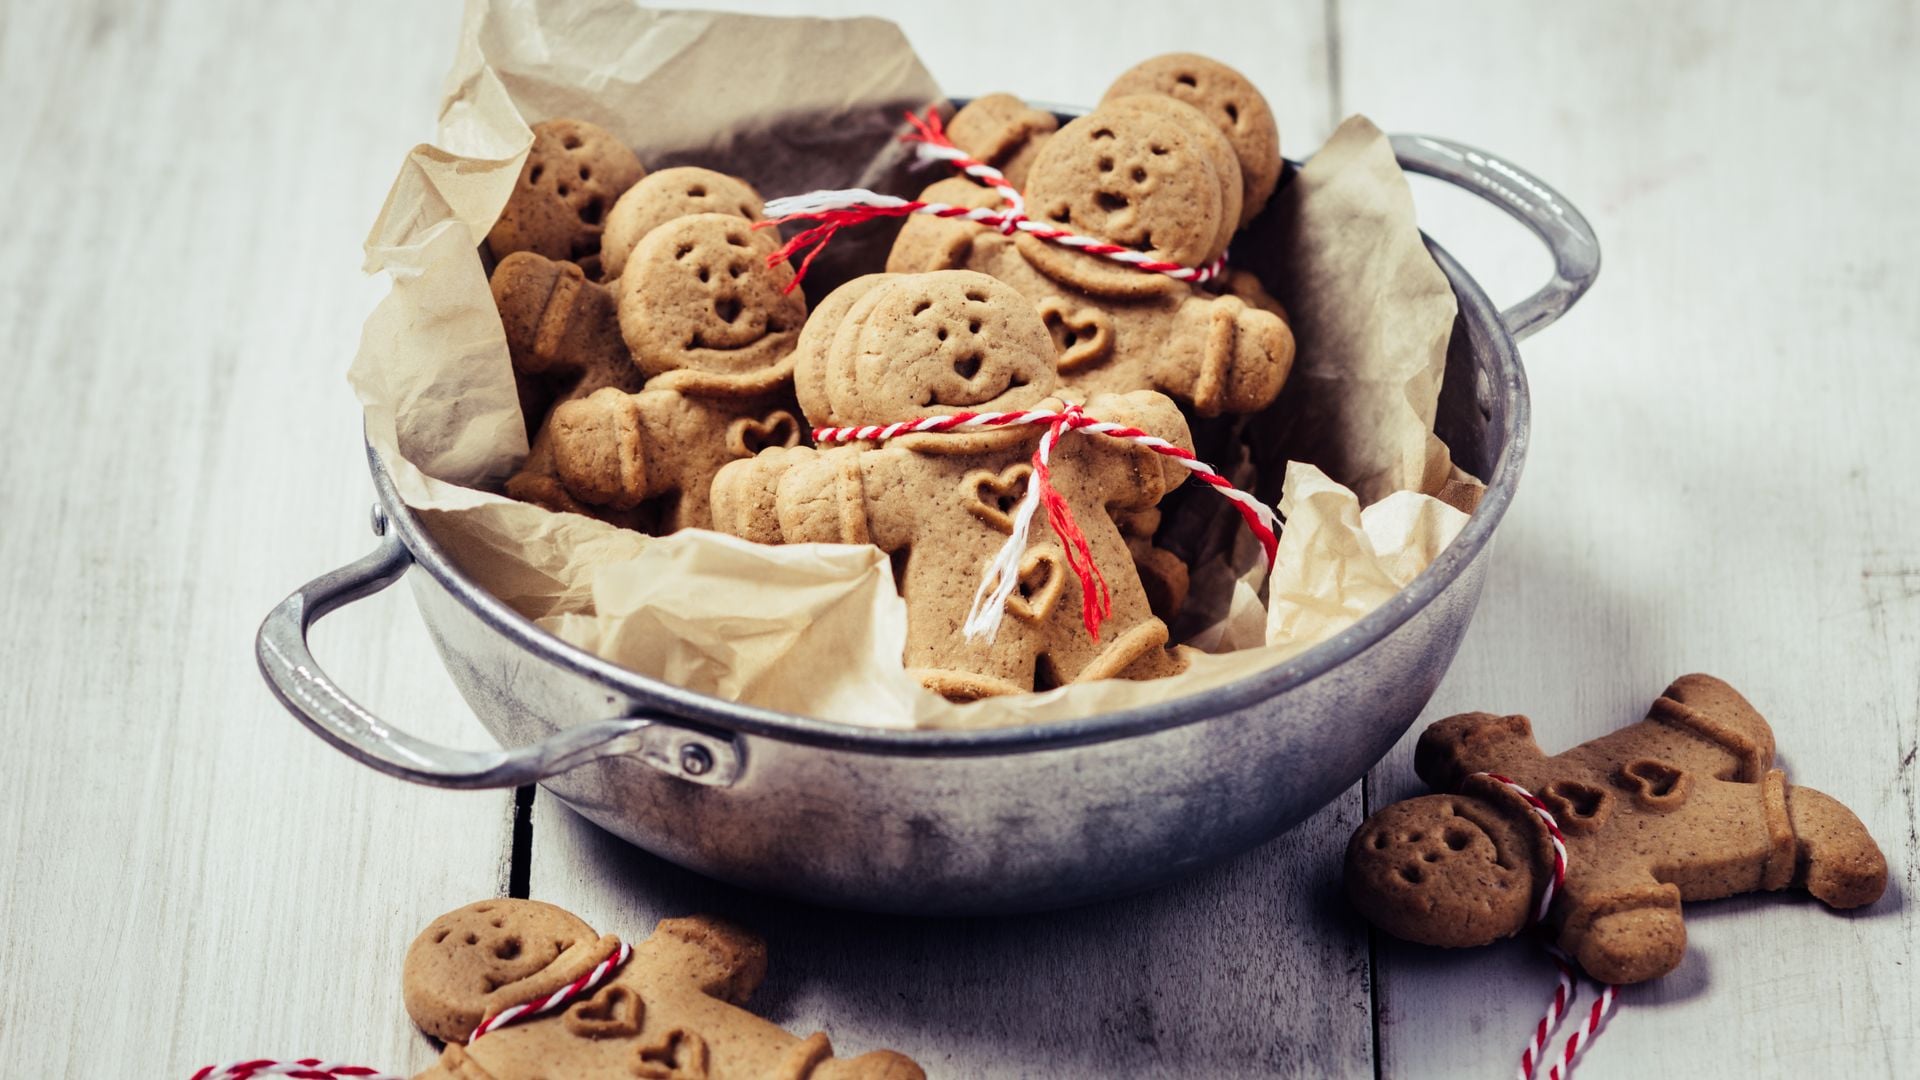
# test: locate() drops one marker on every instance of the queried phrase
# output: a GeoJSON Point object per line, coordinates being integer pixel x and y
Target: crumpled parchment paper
{"type": "Point", "coordinates": [798, 104]}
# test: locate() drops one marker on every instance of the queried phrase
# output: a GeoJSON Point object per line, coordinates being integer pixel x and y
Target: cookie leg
{"type": "Point", "coordinates": [1629, 939]}
{"type": "Point", "coordinates": [1837, 861]}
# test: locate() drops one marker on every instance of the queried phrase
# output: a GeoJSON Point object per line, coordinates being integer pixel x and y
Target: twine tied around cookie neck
{"type": "Point", "coordinates": [834, 210]}
{"type": "Point", "coordinates": [1564, 990]}
{"type": "Point", "coordinates": [1003, 572]}
{"type": "Point", "coordinates": [317, 1069]}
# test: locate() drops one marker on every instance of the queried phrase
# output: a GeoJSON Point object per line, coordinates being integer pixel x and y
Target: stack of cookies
{"type": "Point", "coordinates": [669, 372]}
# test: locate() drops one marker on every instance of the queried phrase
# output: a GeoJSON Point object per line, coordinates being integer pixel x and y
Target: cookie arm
{"type": "Point", "coordinates": [1152, 475]}
{"type": "Point", "coordinates": [1459, 746]}
{"type": "Point", "coordinates": [1224, 356]}
{"type": "Point", "coordinates": [1836, 860]}
{"type": "Point", "coordinates": [745, 494]}
{"type": "Point", "coordinates": [601, 450]}
{"type": "Point", "coordinates": [1002, 131]}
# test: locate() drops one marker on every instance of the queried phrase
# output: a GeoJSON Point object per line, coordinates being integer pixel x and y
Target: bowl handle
{"type": "Point", "coordinates": [297, 680]}
{"type": "Point", "coordinates": [1576, 251]}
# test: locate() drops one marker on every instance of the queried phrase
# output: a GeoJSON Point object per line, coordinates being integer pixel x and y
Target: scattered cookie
{"type": "Point", "coordinates": [671, 1010]}
{"type": "Point", "coordinates": [886, 348]}
{"type": "Point", "coordinates": [1149, 173]}
{"type": "Point", "coordinates": [1231, 102]}
{"type": "Point", "coordinates": [1684, 805]}
{"type": "Point", "coordinates": [574, 173]}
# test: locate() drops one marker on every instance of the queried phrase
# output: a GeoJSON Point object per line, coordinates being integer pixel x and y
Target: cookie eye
{"type": "Point", "coordinates": [976, 296]}
{"type": "Point", "coordinates": [1103, 133]}
{"type": "Point", "coordinates": [921, 307]}
{"type": "Point", "coordinates": [1233, 112]}
{"type": "Point", "coordinates": [1158, 150]}
{"type": "Point", "coordinates": [683, 251]}
{"type": "Point", "coordinates": [1457, 841]}
{"type": "Point", "coordinates": [1187, 80]}
{"type": "Point", "coordinates": [571, 142]}
{"type": "Point", "coordinates": [533, 177]}
{"type": "Point", "coordinates": [697, 191]}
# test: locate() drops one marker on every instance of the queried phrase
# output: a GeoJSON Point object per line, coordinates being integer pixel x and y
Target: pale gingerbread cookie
{"type": "Point", "coordinates": [885, 348]}
{"type": "Point", "coordinates": [672, 1011]}
{"type": "Point", "coordinates": [1227, 99]}
{"type": "Point", "coordinates": [666, 195]}
{"type": "Point", "coordinates": [706, 320]}
{"type": "Point", "coordinates": [573, 174]}
{"type": "Point", "coordinates": [1146, 174]}
{"type": "Point", "coordinates": [1002, 131]}
{"type": "Point", "coordinates": [1684, 805]}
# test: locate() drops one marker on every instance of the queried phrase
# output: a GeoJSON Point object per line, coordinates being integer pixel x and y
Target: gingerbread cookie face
{"type": "Point", "coordinates": [476, 960]}
{"type": "Point", "coordinates": [915, 345]}
{"type": "Point", "coordinates": [574, 173]}
{"type": "Point", "coordinates": [697, 294]}
{"type": "Point", "coordinates": [1444, 862]}
{"type": "Point", "coordinates": [665, 195]}
{"type": "Point", "coordinates": [1142, 177]}
{"type": "Point", "coordinates": [1227, 99]}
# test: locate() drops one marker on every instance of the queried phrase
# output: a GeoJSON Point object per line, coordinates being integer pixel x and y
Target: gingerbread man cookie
{"type": "Point", "coordinates": [573, 174]}
{"type": "Point", "coordinates": [886, 348]}
{"type": "Point", "coordinates": [671, 1010]}
{"type": "Point", "coordinates": [1007, 133]}
{"type": "Point", "coordinates": [1148, 173]}
{"type": "Point", "coordinates": [1684, 805]}
{"type": "Point", "coordinates": [680, 366]}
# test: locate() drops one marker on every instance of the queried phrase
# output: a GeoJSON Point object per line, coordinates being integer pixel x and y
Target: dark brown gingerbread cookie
{"type": "Point", "coordinates": [1684, 805]}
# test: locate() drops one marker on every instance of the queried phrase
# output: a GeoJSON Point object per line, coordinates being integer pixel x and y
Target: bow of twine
{"type": "Point", "coordinates": [1565, 988]}
{"type": "Point", "coordinates": [1003, 572]}
{"type": "Point", "coordinates": [835, 210]}
{"type": "Point", "coordinates": [318, 1069]}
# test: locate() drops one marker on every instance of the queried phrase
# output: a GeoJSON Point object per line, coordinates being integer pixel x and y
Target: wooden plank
{"type": "Point", "coordinates": [188, 876]}
{"type": "Point", "coordinates": [1721, 474]}
{"type": "Point", "coordinates": [1245, 970]}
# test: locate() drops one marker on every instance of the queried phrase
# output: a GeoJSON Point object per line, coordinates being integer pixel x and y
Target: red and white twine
{"type": "Point", "coordinates": [1564, 990]}
{"type": "Point", "coordinates": [316, 1069]}
{"type": "Point", "coordinates": [834, 210]}
{"type": "Point", "coordinates": [1003, 573]}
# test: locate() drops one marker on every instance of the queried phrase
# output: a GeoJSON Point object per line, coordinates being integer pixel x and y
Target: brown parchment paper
{"type": "Point", "coordinates": [798, 104]}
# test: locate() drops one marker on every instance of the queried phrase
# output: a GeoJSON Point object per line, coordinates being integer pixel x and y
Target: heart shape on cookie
{"type": "Point", "coordinates": [748, 436]}
{"type": "Point", "coordinates": [992, 497]}
{"type": "Point", "coordinates": [677, 1055]}
{"type": "Point", "coordinates": [1082, 336]}
{"type": "Point", "coordinates": [1041, 583]}
{"type": "Point", "coordinates": [614, 1013]}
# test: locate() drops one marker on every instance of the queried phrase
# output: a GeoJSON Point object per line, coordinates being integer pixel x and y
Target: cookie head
{"type": "Point", "coordinates": [574, 173]}
{"type": "Point", "coordinates": [468, 962]}
{"type": "Point", "coordinates": [665, 195]}
{"type": "Point", "coordinates": [1227, 99]}
{"type": "Point", "coordinates": [926, 344]}
{"type": "Point", "coordinates": [1144, 177]}
{"type": "Point", "coordinates": [698, 295]}
{"type": "Point", "coordinates": [1444, 870]}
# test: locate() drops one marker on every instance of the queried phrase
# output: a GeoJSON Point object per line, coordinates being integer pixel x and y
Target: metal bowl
{"type": "Point", "coordinates": [962, 822]}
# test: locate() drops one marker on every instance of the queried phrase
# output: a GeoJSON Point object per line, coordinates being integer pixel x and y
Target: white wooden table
{"type": "Point", "coordinates": [1722, 479]}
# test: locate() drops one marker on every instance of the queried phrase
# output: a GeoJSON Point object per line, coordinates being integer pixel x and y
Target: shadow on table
{"type": "Point", "coordinates": [1242, 969]}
